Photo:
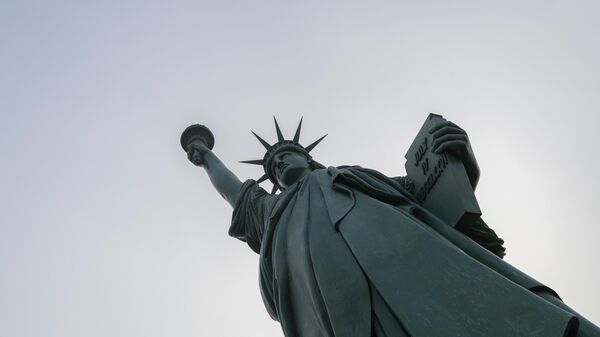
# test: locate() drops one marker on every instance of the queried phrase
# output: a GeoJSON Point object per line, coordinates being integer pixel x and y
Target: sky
{"type": "Point", "coordinates": [107, 230]}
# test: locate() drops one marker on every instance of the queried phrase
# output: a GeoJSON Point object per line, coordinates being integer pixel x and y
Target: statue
{"type": "Point", "coordinates": [347, 251]}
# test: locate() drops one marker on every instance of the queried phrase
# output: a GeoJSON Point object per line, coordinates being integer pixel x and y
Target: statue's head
{"type": "Point", "coordinates": [285, 161]}
{"type": "Point", "coordinates": [289, 166]}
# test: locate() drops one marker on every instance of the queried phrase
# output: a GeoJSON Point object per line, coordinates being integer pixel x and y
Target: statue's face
{"type": "Point", "coordinates": [289, 166]}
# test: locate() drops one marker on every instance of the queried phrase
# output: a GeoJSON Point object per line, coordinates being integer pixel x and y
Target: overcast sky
{"type": "Point", "coordinates": [107, 230]}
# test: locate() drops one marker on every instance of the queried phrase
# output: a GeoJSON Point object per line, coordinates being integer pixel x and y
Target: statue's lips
{"type": "Point", "coordinates": [283, 167]}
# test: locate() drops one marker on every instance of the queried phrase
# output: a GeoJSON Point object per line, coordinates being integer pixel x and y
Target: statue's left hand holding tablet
{"type": "Point", "coordinates": [450, 138]}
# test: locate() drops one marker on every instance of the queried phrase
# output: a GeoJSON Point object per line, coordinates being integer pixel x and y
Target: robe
{"type": "Point", "coordinates": [348, 252]}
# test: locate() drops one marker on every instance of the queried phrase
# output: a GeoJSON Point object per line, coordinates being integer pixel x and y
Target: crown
{"type": "Point", "coordinates": [281, 145]}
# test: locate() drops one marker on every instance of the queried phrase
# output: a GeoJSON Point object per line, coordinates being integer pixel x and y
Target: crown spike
{"type": "Point", "coordinates": [312, 146]}
{"type": "Point", "coordinates": [279, 134]}
{"type": "Point", "coordinates": [297, 134]}
{"type": "Point", "coordinates": [262, 141]}
{"type": "Point", "coordinates": [275, 187]}
{"type": "Point", "coordinates": [263, 178]}
{"type": "Point", "coordinates": [253, 162]}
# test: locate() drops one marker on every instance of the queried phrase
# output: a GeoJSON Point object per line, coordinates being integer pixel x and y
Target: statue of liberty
{"type": "Point", "coordinates": [349, 252]}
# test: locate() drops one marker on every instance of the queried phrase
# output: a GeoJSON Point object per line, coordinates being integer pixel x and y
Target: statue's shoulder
{"type": "Point", "coordinates": [347, 168]}
{"type": "Point", "coordinates": [404, 181]}
{"type": "Point", "coordinates": [357, 168]}
{"type": "Point", "coordinates": [335, 170]}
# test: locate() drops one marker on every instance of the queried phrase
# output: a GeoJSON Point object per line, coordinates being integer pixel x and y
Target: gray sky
{"type": "Point", "coordinates": [107, 230]}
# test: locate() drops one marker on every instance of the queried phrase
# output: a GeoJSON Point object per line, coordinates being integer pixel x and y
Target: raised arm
{"type": "Point", "coordinates": [224, 181]}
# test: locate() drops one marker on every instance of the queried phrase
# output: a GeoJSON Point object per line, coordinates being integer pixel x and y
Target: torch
{"type": "Point", "coordinates": [197, 133]}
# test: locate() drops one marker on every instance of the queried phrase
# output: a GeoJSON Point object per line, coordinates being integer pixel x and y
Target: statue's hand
{"type": "Point", "coordinates": [450, 138]}
{"type": "Point", "coordinates": [196, 151]}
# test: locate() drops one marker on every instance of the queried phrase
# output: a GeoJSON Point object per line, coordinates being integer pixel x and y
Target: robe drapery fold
{"type": "Point", "coordinates": [348, 252]}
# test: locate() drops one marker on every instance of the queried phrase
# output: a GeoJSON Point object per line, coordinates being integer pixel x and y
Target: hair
{"type": "Point", "coordinates": [314, 165]}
